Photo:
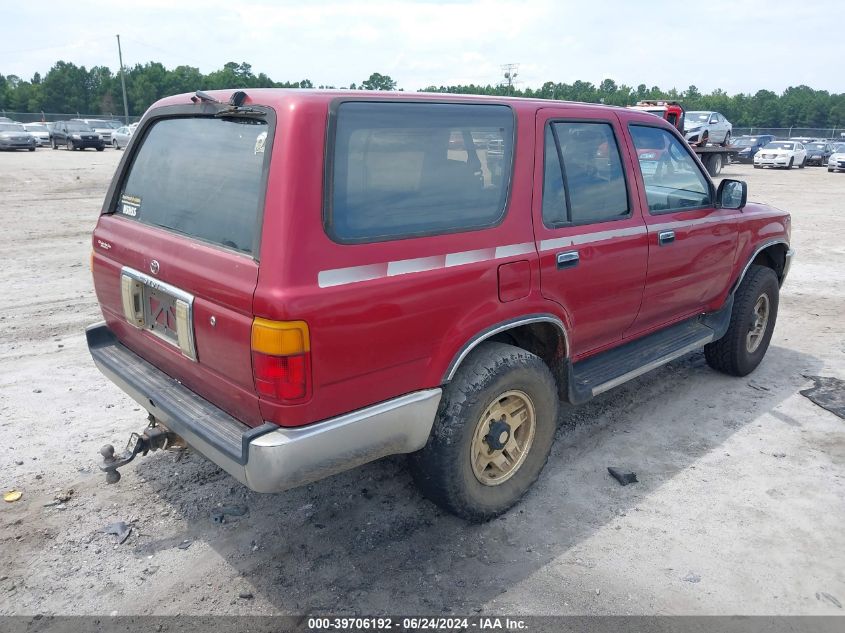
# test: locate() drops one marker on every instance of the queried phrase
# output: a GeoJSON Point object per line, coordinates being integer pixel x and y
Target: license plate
{"type": "Point", "coordinates": [163, 310]}
{"type": "Point", "coordinates": [160, 313]}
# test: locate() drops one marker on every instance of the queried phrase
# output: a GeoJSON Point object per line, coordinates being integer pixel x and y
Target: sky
{"type": "Point", "coordinates": [738, 45]}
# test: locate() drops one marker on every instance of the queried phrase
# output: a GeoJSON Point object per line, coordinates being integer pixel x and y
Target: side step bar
{"type": "Point", "coordinates": [604, 371]}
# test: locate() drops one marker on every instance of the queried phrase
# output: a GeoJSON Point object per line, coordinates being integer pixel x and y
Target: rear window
{"type": "Point", "coordinates": [199, 176]}
{"type": "Point", "coordinates": [410, 169]}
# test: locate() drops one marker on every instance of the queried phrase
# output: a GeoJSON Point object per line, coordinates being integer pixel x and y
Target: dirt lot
{"type": "Point", "coordinates": [740, 506]}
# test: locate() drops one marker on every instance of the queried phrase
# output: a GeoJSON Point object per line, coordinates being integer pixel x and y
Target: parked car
{"type": "Point", "coordinates": [104, 127]}
{"type": "Point", "coordinates": [15, 136]}
{"type": "Point", "coordinates": [818, 153]}
{"type": "Point", "coordinates": [783, 154]}
{"type": "Point", "coordinates": [39, 131]}
{"type": "Point", "coordinates": [75, 135]}
{"type": "Point", "coordinates": [748, 146]}
{"type": "Point", "coordinates": [702, 127]}
{"type": "Point", "coordinates": [836, 162]}
{"type": "Point", "coordinates": [384, 294]}
{"type": "Point", "coordinates": [121, 136]}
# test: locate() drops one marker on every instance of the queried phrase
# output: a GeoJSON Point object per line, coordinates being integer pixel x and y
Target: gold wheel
{"type": "Point", "coordinates": [758, 325]}
{"type": "Point", "coordinates": [503, 438]}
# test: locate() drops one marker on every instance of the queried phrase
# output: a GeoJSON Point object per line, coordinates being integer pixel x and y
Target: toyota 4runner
{"type": "Point", "coordinates": [299, 282]}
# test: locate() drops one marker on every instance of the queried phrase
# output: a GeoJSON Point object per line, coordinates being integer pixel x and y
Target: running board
{"type": "Point", "coordinates": [604, 371]}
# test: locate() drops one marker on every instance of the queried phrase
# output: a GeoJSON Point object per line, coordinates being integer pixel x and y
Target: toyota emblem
{"type": "Point", "coordinates": [154, 267]}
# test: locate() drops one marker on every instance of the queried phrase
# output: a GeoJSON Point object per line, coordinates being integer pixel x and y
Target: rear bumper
{"type": "Point", "coordinates": [267, 458]}
{"type": "Point", "coordinates": [787, 263]}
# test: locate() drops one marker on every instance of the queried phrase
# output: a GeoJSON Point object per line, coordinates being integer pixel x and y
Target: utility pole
{"type": "Point", "coordinates": [123, 83]}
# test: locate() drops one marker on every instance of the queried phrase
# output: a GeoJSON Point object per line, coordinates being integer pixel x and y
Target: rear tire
{"type": "Point", "coordinates": [727, 140]}
{"type": "Point", "coordinates": [477, 464]}
{"type": "Point", "coordinates": [753, 318]}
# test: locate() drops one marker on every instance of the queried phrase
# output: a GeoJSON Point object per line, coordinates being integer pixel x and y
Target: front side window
{"type": "Point", "coordinates": [199, 176]}
{"type": "Point", "coordinates": [589, 184]}
{"type": "Point", "coordinates": [673, 180]}
{"type": "Point", "coordinates": [401, 170]}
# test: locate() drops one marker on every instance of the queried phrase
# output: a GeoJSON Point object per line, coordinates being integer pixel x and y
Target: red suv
{"type": "Point", "coordinates": [299, 282]}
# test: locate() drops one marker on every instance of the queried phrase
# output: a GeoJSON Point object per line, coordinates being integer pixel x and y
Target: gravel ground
{"type": "Point", "coordinates": [739, 508]}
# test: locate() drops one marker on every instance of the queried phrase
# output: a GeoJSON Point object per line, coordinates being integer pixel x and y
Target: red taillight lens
{"type": "Point", "coordinates": [282, 377]}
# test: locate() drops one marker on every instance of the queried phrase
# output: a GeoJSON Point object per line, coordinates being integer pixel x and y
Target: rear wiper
{"type": "Point", "coordinates": [246, 111]}
{"type": "Point", "coordinates": [233, 108]}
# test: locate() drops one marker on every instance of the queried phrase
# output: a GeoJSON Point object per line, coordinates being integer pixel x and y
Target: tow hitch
{"type": "Point", "coordinates": [153, 438]}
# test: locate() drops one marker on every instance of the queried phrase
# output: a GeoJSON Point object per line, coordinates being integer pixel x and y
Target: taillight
{"type": "Point", "coordinates": [281, 359]}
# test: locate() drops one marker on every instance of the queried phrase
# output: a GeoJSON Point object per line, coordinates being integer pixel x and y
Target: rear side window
{"type": "Point", "coordinates": [584, 181]}
{"type": "Point", "coordinates": [410, 169]}
{"type": "Point", "coordinates": [199, 176]}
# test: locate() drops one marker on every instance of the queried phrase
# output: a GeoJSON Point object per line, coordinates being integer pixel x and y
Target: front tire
{"type": "Point", "coordinates": [69, 145]}
{"type": "Point", "coordinates": [753, 318]}
{"type": "Point", "coordinates": [802, 164]}
{"type": "Point", "coordinates": [493, 433]}
{"type": "Point", "coordinates": [791, 162]}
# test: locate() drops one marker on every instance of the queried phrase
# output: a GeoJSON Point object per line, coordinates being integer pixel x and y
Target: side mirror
{"type": "Point", "coordinates": [732, 194]}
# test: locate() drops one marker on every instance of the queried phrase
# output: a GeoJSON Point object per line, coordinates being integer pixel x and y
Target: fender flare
{"type": "Point", "coordinates": [756, 252]}
{"type": "Point", "coordinates": [498, 328]}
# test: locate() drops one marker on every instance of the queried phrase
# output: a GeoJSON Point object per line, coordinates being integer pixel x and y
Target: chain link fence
{"type": "Point", "coordinates": [793, 132]}
{"type": "Point", "coordinates": [41, 117]}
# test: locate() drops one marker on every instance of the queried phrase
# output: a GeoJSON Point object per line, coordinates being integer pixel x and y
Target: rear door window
{"type": "Point", "coordinates": [401, 170]}
{"type": "Point", "coordinates": [201, 177]}
{"type": "Point", "coordinates": [584, 180]}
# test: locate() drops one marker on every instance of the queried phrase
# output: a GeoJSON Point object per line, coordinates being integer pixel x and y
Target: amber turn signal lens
{"type": "Point", "coordinates": [280, 338]}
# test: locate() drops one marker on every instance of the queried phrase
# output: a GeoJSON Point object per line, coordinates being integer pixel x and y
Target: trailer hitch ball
{"type": "Point", "coordinates": [154, 437]}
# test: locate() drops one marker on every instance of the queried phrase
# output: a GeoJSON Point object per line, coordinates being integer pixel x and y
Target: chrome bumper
{"type": "Point", "coordinates": [787, 262]}
{"type": "Point", "coordinates": [268, 458]}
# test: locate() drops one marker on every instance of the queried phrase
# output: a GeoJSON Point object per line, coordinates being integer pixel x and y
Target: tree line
{"type": "Point", "coordinates": [70, 88]}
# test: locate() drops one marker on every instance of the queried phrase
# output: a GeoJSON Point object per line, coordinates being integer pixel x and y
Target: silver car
{"type": "Point", "coordinates": [121, 136]}
{"type": "Point", "coordinates": [701, 127]}
{"type": "Point", "coordinates": [14, 136]}
{"type": "Point", "coordinates": [39, 131]}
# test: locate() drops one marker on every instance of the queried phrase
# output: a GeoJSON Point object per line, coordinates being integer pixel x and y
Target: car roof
{"type": "Point", "coordinates": [290, 97]}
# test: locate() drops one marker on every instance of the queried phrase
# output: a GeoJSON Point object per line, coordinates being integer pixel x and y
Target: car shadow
{"type": "Point", "coordinates": [358, 541]}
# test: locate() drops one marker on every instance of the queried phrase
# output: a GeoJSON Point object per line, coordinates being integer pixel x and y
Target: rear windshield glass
{"type": "Point", "coordinates": [201, 177]}
{"type": "Point", "coordinates": [410, 169]}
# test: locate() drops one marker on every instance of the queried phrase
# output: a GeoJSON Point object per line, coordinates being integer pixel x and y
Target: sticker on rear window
{"type": "Point", "coordinates": [260, 141]}
{"type": "Point", "coordinates": [130, 205]}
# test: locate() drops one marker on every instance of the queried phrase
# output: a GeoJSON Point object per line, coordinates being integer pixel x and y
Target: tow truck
{"type": "Point", "coordinates": [712, 156]}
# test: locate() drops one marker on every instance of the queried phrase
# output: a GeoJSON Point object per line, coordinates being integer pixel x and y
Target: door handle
{"type": "Point", "coordinates": [665, 237]}
{"type": "Point", "coordinates": [569, 259]}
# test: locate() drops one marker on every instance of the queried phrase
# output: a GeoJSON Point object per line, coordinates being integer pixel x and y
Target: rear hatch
{"type": "Point", "coordinates": [175, 250]}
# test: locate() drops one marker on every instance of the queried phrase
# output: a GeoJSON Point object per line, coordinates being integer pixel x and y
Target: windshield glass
{"type": "Point", "coordinates": [11, 127]}
{"type": "Point", "coordinates": [201, 177]}
{"type": "Point", "coordinates": [36, 127]}
{"type": "Point", "coordinates": [78, 127]}
{"type": "Point", "coordinates": [839, 148]}
{"type": "Point", "coordinates": [818, 146]}
{"type": "Point", "coordinates": [780, 145]}
{"type": "Point", "coordinates": [697, 117]}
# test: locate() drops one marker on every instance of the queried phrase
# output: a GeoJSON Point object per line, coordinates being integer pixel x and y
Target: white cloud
{"type": "Point", "coordinates": [656, 42]}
